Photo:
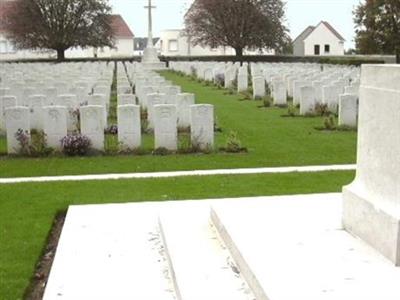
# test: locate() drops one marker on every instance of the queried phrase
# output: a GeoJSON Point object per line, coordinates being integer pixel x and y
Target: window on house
{"type": "Point", "coordinates": [173, 45]}
{"type": "Point", "coordinates": [317, 50]}
{"type": "Point", "coordinates": [327, 49]}
{"type": "Point", "coordinates": [3, 47]}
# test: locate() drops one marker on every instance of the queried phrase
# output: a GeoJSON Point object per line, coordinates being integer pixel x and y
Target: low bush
{"type": "Point", "coordinates": [75, 144]}
{"type": "Point", "coordinates": [161, 151]}
{"type": "Point", "coordinates": [32, 143]}
{"type": "Point", "coordinates": [233, 144]}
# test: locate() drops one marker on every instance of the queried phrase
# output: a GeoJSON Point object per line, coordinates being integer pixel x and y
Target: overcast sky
{"type": "Point", "coordinates": [299, 14]}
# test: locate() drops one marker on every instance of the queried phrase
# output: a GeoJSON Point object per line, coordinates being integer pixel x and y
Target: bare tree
{"type": "Point", "coordinates": [59, 24]}
{"type": "Point", "coordinates": [240, 24]}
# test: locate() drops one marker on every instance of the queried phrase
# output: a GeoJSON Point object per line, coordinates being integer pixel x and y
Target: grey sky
{"type": "Point", "coordinates": [299, 13]}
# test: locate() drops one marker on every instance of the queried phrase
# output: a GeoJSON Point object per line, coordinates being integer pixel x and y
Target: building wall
{"type": "Point", "coordinates": [174, 43]}
{"type": "Point", "coordinates": [124, 47]}
{"type": "Point", "coordinates": [323, 36]}
{"type": "Point", "coordinates": [298, 48]}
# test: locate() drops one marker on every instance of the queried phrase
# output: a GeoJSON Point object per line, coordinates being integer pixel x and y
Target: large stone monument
{"type": "Point", "coordinates": [150, 59]}
{"type": "Point", "coordinates": [371, 208]}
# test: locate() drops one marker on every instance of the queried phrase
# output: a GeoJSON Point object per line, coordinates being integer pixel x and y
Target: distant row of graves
{"type": "Point", "coordinates": [309, 86]}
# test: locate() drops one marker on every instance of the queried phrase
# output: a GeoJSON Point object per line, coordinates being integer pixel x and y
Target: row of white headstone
{"type": "Point", "coordinates": [168, 109]}
{"type": "Point", "coordinates": [307, 84]}
{"type": "Point", "coordinates": [53, 105]}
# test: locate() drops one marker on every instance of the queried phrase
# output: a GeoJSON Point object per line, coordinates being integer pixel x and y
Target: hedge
{"type": "Point", "coordinates": [341, 60]}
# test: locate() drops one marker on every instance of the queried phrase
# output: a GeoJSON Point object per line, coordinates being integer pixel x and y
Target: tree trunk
{"type": "Point", "coordinates": [60, 54]}
{"type": "Point", "coordinates": [239, 55]}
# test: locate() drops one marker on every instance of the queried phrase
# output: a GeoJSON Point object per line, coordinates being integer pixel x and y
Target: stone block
{"type": "Point", "coordinates": [371, 203]}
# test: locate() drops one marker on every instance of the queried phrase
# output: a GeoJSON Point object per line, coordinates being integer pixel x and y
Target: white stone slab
{"type": "Point", "coordinates": [109, 252]}
{"type": "Point", "coordinates": [294, 247]}
{"type": "Point", "coordinates": [202, 266]}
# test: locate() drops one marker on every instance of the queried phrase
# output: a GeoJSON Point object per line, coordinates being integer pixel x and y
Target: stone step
{"type": "Point", "coordinates": [110, 252]}
{"type": "Point", "coordinates": [294, 247]}
{"type": "Point", "coordinates": [201, 264]}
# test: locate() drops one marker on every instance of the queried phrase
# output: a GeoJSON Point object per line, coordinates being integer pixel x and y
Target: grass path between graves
{"type": "Point", "coordinates": [272, 141]}
{"type": "Point", "coordinates": [27, 210]}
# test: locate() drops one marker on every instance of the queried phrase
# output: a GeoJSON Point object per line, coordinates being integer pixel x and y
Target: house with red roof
{"type": "Point", "coordinates": [322, 39]}
{"type": "Point", "coordinates": [124, 41]}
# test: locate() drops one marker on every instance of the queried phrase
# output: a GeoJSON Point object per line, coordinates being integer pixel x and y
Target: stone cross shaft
{"type": "Point", "coordinates": [150, 34]}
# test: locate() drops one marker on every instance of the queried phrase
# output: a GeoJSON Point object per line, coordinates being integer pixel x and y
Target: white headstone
{"type": "Point", "coordinates": [348, 110]}
{"type": "Point", "coordinates": [243, 79]}
{"type": "Point", "coordinates": [71, 103]}
{"type": "Point", "coordinates": [202, 126]}
{"type": "Point", "coordinates": [184, 101]}
{"type": "Point", "coordinates": [100, 100]}
{"type": "Point", "coordinates": [125, 99]}
{"type": "Point", "coordinates": [129, 131]}
{"type": "Point", "coordinates": [279, 93]}
{"type": "Point", "coordinates": [152, 100]}
{"type": "Point", "coordinates": [36, 103]}
{"type": "Point", "coordinates": [92, 125]}
{"type": "Point", "coordinates": [5, 102]}
{"type": "Point", "coordinates": [307, 100]}
{"type": "Point", "coordinates": [51, 95]}
{"type": "Point", "coordinates": [258, 87]}
{"type": "Point", "coordinates": [297, 85]}
{"type": "Point", "coordinates": [165, 127]}
{"type": "Point", "coordinates": [55, 125]}
{"type": "Point", "coordinates": [17, 118]}
{"type": "Point", "coordinates": [124, 89]}
{"type": "Point", "coordinates": [330, 96]}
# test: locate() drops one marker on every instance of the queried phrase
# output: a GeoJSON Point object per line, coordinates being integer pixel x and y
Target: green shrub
{"type": "Point", "coordinates": [329, 123]}
{"type": "Point", "coordinates": [161, 151]}
{"type": "Point", "coordinates": [233, 144]}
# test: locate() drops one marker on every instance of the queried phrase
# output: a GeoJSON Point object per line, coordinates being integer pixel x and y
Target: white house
{"type": "Point", "coordinates": [322, 39]}
{"type": "Point", "coordinates": [174, 42]}
{"type": "Point", "coordinates": [124, 41]}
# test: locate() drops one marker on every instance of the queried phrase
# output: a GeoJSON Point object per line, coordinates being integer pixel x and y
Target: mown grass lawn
{"type": "Point", "coordinates": [27, 210]}
{"type": "Point", "coordinates": [272, 140]}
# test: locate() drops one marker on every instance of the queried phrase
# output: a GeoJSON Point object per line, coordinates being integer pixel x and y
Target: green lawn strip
{"type": "Point", "coordinates": [272, 140]}
{"type": "Point", "coordinates": [27, 210]}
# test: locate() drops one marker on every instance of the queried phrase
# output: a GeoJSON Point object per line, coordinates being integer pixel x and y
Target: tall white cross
{"type": "Point", "coordinates": [150, 35]}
